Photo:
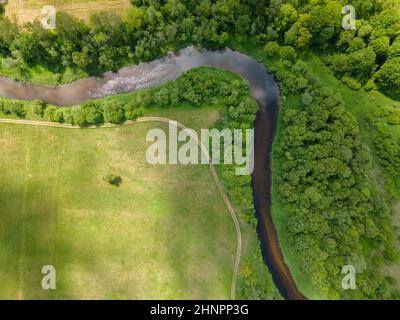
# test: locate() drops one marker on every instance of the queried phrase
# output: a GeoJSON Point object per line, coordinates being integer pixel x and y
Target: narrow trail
{"type": "Point", "coordinates": [203, 150]}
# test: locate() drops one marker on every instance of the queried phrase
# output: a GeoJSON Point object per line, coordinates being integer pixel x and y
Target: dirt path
{"type": "Point", "coordinates": [203, 150]}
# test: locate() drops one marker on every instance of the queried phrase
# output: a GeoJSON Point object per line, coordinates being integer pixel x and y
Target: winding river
{"type": "Point", "coordinates": [264, 90]}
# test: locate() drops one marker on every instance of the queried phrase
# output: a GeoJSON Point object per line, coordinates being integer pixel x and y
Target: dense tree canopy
{"type": "Point", "coordinates": [151, 28]}
{"type": "Point", "coordinates": [332, 211]}
{"type": "Point", "coordinates": [330, 207]}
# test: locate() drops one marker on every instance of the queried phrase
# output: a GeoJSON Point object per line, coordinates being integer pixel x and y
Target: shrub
{"type": "Point", "coordinates": [370, 85]}
{"type": "Point", "coordinates": [54, 114]}
{"type": "Point", "coordinates": [15, 107]}
{"type": "Point", "coordinates": [90, 114]}
{"type": "Point", "coordinates": [113, 180]}
{"type": "Point", "coordinates": [351, 83]}
{"type": "Point", "coordinates": [113, 112]}
{"type": "Point", "coordinates": [271, 49]}
{"type": "Point", "coordinates": [39, 107]}
{"type": "Point", "coordinates": [288, 53]}
{"type": "Point", "coordinates": [389, 75]}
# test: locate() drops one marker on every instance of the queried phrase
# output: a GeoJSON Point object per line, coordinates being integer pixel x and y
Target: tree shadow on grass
{"type": "Point", "coordinates": [31, 238]}
{"type": "Point", "coordinates": [202, 253]}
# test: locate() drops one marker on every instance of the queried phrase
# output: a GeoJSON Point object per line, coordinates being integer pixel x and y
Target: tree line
{"type": "Point", "coordinates": [367, 56]}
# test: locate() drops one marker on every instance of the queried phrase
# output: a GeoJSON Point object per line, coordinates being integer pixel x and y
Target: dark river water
{"type": "Point", "coordinates": [263, 88]}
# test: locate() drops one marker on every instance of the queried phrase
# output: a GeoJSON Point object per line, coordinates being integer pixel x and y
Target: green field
{"type": "Point", "coordinates": [164, 233]}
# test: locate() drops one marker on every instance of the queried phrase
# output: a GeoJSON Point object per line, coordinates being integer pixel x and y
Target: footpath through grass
{"type": "Point", "coordinates": [165, 233]}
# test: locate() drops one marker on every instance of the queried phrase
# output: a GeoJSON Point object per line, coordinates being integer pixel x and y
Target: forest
{"type": "Point", "coordinates": [332, 207]}
{"type": "Point", "coordinates": [334, 213]}
{"type": "Point", "coordinates": [367, 56]}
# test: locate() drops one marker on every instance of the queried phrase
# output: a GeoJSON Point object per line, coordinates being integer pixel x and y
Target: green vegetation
{"type": "Point", "coordinates": [305, 153]}
{"type": "Point", "coordinates": [113, 180]}
{"type": "Point", "coordinates": [135, 241]}
{"type": "Point", "coordinates": [385, 122]}
{"type": "Point", "coordinates": [151, 28]}
{"type": "Point", "coordinates": [335, 160]}
{"type": "Point", "coordinates": [199, 99]}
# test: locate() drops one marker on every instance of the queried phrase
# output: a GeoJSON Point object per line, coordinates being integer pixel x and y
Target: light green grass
{"type": "Point", "coordinates": [41, 75]}
{"type": "Point", "coordinates": [163, 234]}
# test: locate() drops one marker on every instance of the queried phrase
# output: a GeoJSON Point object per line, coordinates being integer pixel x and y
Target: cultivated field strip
{"type": "Point", "coordinates": [29, 10]}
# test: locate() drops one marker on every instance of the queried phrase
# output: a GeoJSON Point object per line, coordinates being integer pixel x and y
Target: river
{"type": "Point", "coordinates": [264, 90]}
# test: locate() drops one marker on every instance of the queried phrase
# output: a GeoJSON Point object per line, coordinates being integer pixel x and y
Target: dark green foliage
{"type": "Point", "coordinates": [89, 113]}
{"type": "Point", "coordinates": [113, 112]}
{"type": "Point", "coordinates": [287, 53]}
{"type": "Point", "coordinates": [271, 48]}
{"type": "Point", "coordinates": [54, 114]}
{"type": "Point", "coordinates": [381, 46]}
{"type": "Point", "coordinates": [323, 187]}
{"type": "Point", "coordinates": [151, 28]}
{"type": "Point", "coordinates": [113, 180]}
{"type": "Point", "coordinates": [8, 32]}
{"type": "Point", "coordinates": [16, 108]}
{"type": "Point", "coordinates": [389, 75]}
{"type": "Point", "coordinates": [39, 107]}
{"type": "Point", "coordinates": [331, 209]}
{"type": "Point", "coordinates": [384, 121]}
{"type": "Point", "coordinates": [358, 64]}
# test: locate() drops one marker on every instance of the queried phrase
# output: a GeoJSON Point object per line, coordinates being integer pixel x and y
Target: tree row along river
{"type": "Point", "coordinates": [264, 90]}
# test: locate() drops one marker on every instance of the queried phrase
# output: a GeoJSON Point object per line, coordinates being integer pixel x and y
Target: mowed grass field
{"type": "Point", "coordinates": [165, 233]}
{"type": "Point", "coordinates": [29, 10]}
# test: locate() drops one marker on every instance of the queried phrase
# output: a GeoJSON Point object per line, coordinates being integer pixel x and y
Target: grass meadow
{"type": "Point", "coordinates": [165, 233]}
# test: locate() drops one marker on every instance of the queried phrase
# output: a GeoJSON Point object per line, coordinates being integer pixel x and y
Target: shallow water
{"type": "Point", "coordinates": [144, 75]}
